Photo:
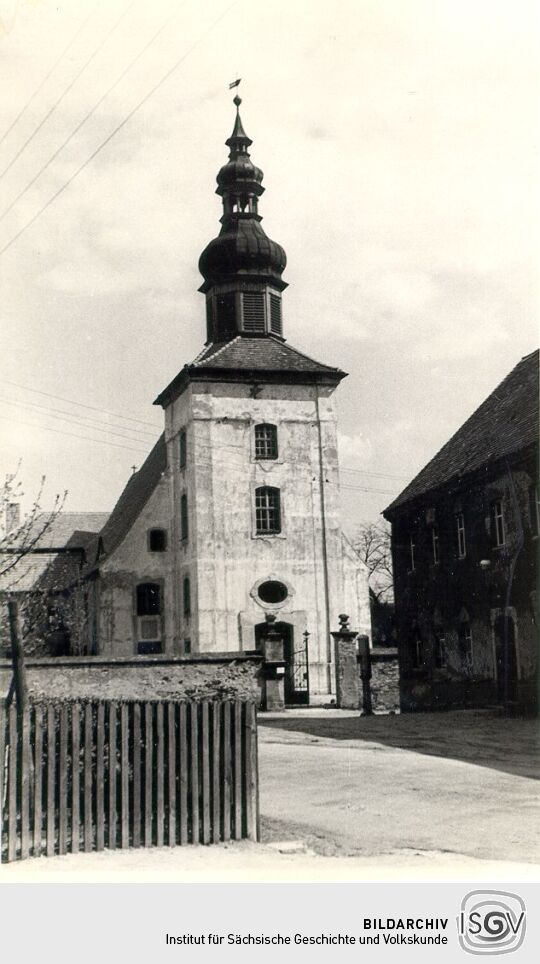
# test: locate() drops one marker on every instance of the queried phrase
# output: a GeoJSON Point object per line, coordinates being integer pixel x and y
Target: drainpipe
{"type": "Point", "coordinates": [324, 543]}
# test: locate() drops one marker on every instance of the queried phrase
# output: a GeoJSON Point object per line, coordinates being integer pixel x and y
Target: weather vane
{"type": "Point", "coordinates": [237, 100]}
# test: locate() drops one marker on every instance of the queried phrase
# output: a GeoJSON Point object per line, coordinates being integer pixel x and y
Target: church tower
{"type": "Point", "coordinates": [251, 436]}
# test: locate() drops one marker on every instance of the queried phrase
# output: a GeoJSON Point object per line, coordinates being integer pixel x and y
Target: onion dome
{"type": "Point", "coordinates": [242, 251]}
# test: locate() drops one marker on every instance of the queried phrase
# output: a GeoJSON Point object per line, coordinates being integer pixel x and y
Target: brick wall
{"type": "Point", "coordinates": [211, 676]}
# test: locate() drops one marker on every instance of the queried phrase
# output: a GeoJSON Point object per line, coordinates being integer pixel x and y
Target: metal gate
{"type": "Point", "coordinates": [297, 671]}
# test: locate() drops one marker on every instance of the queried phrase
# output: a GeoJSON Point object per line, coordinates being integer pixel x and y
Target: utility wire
{"type": "Point", "coordinates": [70, 401]}
{"type": "Point", "coordinates": [45, 79]}
{"type": "Point", "coordinates": [119, 127]}
{"type": "Point", "coordinates": [86, 438]}
{"type": "Point", "coordinates": [75, 419]}
{"type": "Point", "coordinates": [87, 117]}
{"type": "Point", "coordinates": [67, 89]}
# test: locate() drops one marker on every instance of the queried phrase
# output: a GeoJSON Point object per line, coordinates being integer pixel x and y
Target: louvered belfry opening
{"type": "Point", "coordinates": [253, 312]}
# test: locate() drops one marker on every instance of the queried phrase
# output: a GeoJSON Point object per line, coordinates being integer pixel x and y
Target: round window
{"type": "Point", "coordinates": [273, 591]}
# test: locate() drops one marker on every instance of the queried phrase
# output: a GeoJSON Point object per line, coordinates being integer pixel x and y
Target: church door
{"type": "Point", "coordinates": [505, 657]}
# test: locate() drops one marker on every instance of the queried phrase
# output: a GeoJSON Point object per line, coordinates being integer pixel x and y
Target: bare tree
{"type": "Point", "coordinates": [19, 537]}
{"type": "Point", "coordinates": [372, 542]}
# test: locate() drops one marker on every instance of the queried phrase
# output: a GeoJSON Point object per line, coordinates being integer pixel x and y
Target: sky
{"type": "Point", "coordinates": [399, 143]}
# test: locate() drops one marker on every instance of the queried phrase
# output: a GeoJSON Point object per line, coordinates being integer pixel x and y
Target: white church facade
{"type": "Point", "coordinates": [234, 516]}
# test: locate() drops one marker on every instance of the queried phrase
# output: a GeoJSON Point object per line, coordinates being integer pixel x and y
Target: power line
{"type": "Point", "coordinates": [75, 419]}
{"type": "Point", "coordinates": [116, 129]}
{"type": "Point", "coordinates": [67, 89]}
{"type": "Point", "coordinates": [45, 79]}
{"type": "Point", "coordinates": [383, 475]}
{"type": "Point", "coordinates": [86, 438]}
{"type": "Point", "coordinates": [87, 117]}
{"type": "Point", "coordinates": [70, 401]}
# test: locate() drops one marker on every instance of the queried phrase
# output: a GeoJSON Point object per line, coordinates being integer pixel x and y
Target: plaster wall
{"type": "Point", "coordinates": [224, 557]}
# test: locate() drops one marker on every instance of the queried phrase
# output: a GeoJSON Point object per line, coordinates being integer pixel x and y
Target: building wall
{"type": "Point", "coordinates": [114, 593]}
{"type": "Point", "coordinates": [441, 599]}
{"type": "Point", "coordinates": [223, 556]}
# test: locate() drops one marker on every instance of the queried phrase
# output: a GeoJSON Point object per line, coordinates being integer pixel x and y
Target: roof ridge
{"type": "Point", "coordinates": [303, 354]}
{"type": "Point", "coordinates": [225, 345]}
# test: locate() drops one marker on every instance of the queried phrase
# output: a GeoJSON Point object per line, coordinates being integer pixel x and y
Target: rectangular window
{"type": "Point", "coordinates": [187, 647]}
{"type": "Point", "coordinates": [226, 317]}
{"type": "Point", "coordinates": [497, 516]}
{"type": "Point", "coordinates": [435, 544]}
{"type": "Point", "coordinates": [417, 652]}
{"type": "Point", "coordinates": [461, 541]}
{"type": "Point", "coordinates": [266, 444]}
{"type": "Point", "coordinates": [440, 651]}
{"type": "Point", "coordinates": [182, 449]}
{"type": "Point", "coordinates": [267, 511]}
{"type": "Point", "coordinates": [412, 549]}
{"type": "Point", "coordinates": [148, 618]}
{"type": "Point", "coordinates": [184, 520]}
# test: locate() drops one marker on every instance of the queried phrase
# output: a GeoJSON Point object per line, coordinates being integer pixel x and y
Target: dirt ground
{"type": "Point", "coordinates": [449, 796]}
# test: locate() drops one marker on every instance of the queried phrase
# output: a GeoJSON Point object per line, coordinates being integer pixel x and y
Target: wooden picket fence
{"type": "Point", "coordinates": [85, 776]}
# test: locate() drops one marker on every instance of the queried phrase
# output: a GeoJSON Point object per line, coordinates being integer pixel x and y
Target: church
{"type": "Point", "coordinates": [234, 516]}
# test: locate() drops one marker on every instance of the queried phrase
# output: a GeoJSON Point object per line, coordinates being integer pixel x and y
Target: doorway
{"type": "Point", "coordinates": [296, 682]}
{"type": "Point", "coordinates": [505, 658]}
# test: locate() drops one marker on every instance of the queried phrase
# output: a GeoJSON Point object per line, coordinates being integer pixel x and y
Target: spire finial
{"type": "Point", "coordinates": [237, 100]}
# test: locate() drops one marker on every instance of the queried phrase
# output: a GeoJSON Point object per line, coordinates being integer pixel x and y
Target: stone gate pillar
{"type": "Point", "coordinates": [347, 677]}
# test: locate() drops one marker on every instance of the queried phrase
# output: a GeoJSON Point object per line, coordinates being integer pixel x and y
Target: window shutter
{"type": "Point", "coordinates": [253, 311]}
{"type": "Point", "coordinates": [275, 315]}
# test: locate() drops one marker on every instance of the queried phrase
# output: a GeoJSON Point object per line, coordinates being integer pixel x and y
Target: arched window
{"type": "Point", "coordinates": [466, 646]}
{"type": "Point", "coordinates": [184, 522]}
{"type": "Point", "coordinates": [267, 510]}
{"type": "Point", "coordinates": [186, 593]}
{"type": "Point", "coordinates": [266, 444]}
{"type": "Point", "coordinates": [182, 449]}
{"type": "Point", "coordinates": [149, 632]}
{"type": "Point", "coordinates": [157, 540]}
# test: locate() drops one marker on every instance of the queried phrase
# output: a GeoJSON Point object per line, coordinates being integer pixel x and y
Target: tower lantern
{"type": "Point", "coordinates": [242, 267]}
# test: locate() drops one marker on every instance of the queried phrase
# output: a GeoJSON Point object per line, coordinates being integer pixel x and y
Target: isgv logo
{"type": "Point", "coordinates": [491, 922]}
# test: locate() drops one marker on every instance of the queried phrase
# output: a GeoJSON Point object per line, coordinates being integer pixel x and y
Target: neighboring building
{"type": "Point", "coordinates": [43, 568]}
{"type": "Point", "coordinates": [465, 539]}
{"type": "Point", "coordinates": [235, 513]}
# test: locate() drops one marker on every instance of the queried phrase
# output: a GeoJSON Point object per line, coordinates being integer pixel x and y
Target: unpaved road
{"type": "Point", "coordinates": [349, 787]}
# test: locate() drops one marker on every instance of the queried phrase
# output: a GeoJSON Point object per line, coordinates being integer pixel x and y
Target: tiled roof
{"type": "Point", "coordinates": [134, 497]}
{"type": "Point", "coordinates": [266, 356]}
{"type": "Point", "coordinates": [505, 423]}
{"type": "Point", "coordinates": [76, 529]}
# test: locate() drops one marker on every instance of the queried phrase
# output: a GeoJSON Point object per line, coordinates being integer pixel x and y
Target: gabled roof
{"type": "Point", "coordinates": [78, 530]}
{"type": "Point", "coordinates": [134, 497]}
{"type": "Point", "coordinates": [268, 358]}
{"type": "Point", "coordinates": [504, 424]}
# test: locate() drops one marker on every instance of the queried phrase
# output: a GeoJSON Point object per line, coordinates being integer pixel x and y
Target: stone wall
{"type": "Point", "coordinates": [209, 676]}
{"type": "Point", "coordinates": [385, 680]}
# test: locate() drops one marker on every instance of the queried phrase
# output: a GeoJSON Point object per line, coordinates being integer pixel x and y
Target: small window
{"type": "Point", "coordinates": [412, 550]}
{"type": "Point", "coordinates": [186, 593]}
{"type": "Point", "coordinates": [273, 592]}
{"type": "Point", "coordinates": [266, 444]}
{"type": "Point", "coordinates": [182, 449]}
{"type": "Point", "coordinates": [498, 524]}
{"type": "Point", "coordinates": [439, 651]}
{"type": "Point", "coordinates": [466, 647]}
{"type": "Point", "coordinates": [187, 647]}
{"type": "Point", "coordinates": [416, 650]}
{"type": "Point", "coordinates": [157, 540]}
{"type": "Point", "coordinates": [184, 521]}
{"type": "Point", "coordinates": [435, 542]}
{"type": "Point", "coordinates": [461, 540]}
{"type": "Point", "coordinates": [267, 510]}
